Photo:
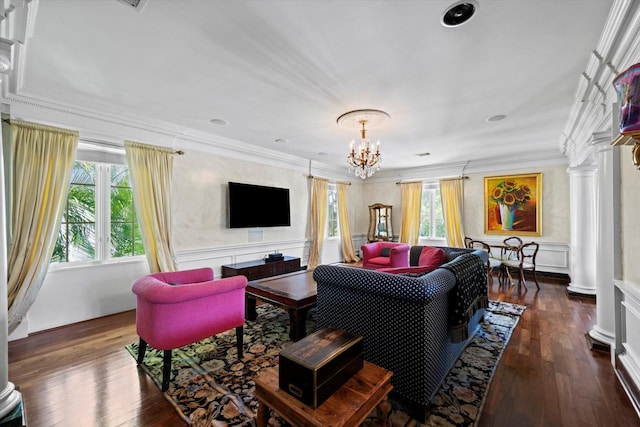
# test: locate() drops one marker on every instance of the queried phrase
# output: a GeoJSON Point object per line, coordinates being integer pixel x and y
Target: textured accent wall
{"type": "Point", "coordinates": [630, 199]}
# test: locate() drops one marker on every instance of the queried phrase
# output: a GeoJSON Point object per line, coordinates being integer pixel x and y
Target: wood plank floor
{"type": "Point", "coordinates": [81, 375]}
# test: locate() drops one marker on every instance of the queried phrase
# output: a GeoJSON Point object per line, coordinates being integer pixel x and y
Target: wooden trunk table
{"type": "Point", "coordinates": [295, 292]}
{"type": "Point", "coordinates": [349, 406]}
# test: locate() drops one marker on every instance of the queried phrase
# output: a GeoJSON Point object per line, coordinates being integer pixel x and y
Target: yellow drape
{"type": "Point", "coordinates": [451, 192]}
{"type": "Point", "coordinates": [411, 201]}
{"type": "Point", "coordinates": [348, 251]}
{"type": "Point", "coordinates": [150, 168]}
{"type": "Point", "coordinates": [318, 219]}
{"type": "Point", "coordinates": [42, 161]}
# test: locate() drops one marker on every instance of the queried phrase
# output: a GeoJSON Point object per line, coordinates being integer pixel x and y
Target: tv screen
{"type": "Point", "coordinates": [258, 206]}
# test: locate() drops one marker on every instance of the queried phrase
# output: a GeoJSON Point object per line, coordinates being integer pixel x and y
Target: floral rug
{"type": "Point", "coordinates": [210, 387]}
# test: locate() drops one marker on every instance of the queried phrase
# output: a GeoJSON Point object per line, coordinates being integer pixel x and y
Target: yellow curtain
{"type": "Point", "coordinates": [42, 161]}
{"type": "Point", "coordinates": [348, 251]}
{"type": "Point", "coordinates": [411, 201]}
{"type": "Point", "coordinates": [150, 168]}
{"type": "Point", "coordinates": [452, 194]}
{"type": "Point", "coordinates": [318, 220]}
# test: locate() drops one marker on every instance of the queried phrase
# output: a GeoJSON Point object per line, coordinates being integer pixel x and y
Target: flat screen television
{"type": "Point", "coordinates": [258, 206]}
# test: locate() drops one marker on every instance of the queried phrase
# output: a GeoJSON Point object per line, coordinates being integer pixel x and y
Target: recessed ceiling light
{"type": "Point", "coordinates": [423, 154]}
{"type": "Point", "coordinates": [282, 141]}
{"type": "Point", "coordinates": [496, 118]}
{"type": "Point", "coordinates": [322, 153]}
{"type": "Point", "coordinates": [459, 13]}
{"type": "Point", "coordinates": [219, 122]}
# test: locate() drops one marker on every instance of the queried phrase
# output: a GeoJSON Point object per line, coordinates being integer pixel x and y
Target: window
{"type": "Point", "coordinates": [332, 213]}
{"type": "Point", "coordinates": [99, 220]}
{"type": "Point", "coordinates": [431, 216]}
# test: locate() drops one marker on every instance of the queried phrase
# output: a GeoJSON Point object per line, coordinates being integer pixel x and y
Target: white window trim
{"type": "Point", "coordinates": [103, 156]}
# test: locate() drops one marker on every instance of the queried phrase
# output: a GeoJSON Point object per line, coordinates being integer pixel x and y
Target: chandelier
{"type": "Point", "coordinates": [365, 159]}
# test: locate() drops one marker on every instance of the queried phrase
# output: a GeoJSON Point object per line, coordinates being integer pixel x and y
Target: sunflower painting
{"type": "Point", "coordinates": [513, 204]}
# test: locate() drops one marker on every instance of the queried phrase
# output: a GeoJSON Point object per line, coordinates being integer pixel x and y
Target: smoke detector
{"type": "Point", "coordinates": [134, 4]}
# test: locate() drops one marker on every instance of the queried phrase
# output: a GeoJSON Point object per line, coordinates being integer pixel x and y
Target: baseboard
{"type": "Point", "coordinates": [627, 382]}
{"type": "Point", "coordinates": [596, 345]}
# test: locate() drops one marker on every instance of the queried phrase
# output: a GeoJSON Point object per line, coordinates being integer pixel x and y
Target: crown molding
{"type": "Point", "coordinates": [593, 108]}
{"type": "Point", "coordinates": [113, 127]}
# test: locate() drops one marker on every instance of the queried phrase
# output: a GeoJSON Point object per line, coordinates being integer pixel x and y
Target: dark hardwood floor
{"type": "Point", "coordinates": [81, 375]}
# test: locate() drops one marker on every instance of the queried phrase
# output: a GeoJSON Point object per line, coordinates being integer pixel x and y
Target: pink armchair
{"type": "Point", "coordinates": [177, 308]}
{"type": "Point", "coordinates": [385, 255]}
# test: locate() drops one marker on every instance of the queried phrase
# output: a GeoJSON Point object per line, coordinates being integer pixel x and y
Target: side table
{"type": "Point", "coordinates": [348, 406]}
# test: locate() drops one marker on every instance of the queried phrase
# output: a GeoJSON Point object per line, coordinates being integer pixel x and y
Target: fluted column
{"type": "Point", "coordinates": [608, 247]}
{"type": "Point", "coordinates": [583, 230]}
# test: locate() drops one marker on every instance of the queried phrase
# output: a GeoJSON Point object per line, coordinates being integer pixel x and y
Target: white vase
{"type": "Point", "coordinates": [507, 214]}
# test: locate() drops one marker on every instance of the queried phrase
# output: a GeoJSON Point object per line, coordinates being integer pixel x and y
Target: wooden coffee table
{"type": "Point", "coordinates": [295, 292]}
{"type": "Point", "coordinates": [348, 406]}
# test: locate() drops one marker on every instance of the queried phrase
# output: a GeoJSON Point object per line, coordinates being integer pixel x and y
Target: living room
{"type": "Point", "coordinates": [202, 237]}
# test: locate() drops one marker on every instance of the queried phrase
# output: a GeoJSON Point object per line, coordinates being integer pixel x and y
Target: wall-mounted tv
{"type": "Point", "coordinates": [258, 206]}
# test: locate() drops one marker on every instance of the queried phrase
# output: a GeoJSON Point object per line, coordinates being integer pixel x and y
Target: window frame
{"type": "Point", "coordinates": [332, 189]}
{"type": "Point", "coordinates": [103, 158]}
{"type": "Point", "coordinates": [431, 188]}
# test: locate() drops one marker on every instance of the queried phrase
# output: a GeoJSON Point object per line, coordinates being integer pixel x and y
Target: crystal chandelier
{"type": "Point", "coordinates": [364, 162]}
{"type": "Point", "coordinates": [365, 159]}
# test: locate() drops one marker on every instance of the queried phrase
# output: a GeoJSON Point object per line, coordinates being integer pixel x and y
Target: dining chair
{"type": "Point", "coordinates": [492, 262]}
{"type": "Point", "coordinates": [526, 261]}
{"type": "Point", "coordinates": [508, 252]}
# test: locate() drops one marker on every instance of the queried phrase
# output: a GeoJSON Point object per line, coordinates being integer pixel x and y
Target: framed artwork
{"type": "Point", "coordinates": [513, 204]}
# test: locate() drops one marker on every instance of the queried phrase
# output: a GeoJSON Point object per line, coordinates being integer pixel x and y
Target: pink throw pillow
{"type": "Point", "coordinates": [431, 257]}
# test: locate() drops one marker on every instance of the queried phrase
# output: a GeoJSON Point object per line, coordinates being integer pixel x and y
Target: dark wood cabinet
{"type": "Point", "coordinates": [260, 269]}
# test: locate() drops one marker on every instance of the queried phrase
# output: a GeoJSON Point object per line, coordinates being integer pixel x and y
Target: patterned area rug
{"type": "Point", "coordinates": [210, 387]}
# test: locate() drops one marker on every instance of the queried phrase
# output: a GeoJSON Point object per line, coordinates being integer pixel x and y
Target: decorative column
{"type": "Point", "coordinates": [608, 244]}
{"type": "Point", "coordinates": [583, 230]}
{"type": "Point", "coordinates": [10, 398]}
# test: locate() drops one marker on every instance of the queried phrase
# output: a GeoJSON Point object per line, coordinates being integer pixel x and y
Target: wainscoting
{"type": "Point", "coordinates": [627, 338]}
{"type": "Point", "coordinates": [552, 257]}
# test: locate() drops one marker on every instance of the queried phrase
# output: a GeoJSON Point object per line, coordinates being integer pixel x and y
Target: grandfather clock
{"type": "Point", "coordinates": [380, 228]}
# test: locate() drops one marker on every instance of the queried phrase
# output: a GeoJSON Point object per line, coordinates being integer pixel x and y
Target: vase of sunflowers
{"type": "Point", "coordinates": [509, 197]}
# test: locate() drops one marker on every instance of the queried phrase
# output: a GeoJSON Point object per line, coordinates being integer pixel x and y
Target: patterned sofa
{"type": "Point", "coordinates": [413, 326]}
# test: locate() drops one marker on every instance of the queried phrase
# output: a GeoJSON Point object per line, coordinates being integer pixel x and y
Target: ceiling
{"type": "Point", "coordinates": [287, 69]}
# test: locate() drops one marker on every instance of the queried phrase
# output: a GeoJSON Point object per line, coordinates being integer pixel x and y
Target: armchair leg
{"type": "Point", "coordinates": [166, 370]}
{"type": "Point", "coordinates": [239, 340]}
{"type": "Point", "coordinates": [142, 349]}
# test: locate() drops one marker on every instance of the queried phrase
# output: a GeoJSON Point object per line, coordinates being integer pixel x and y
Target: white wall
{"type": "Point", "coordinates": [630, 199]}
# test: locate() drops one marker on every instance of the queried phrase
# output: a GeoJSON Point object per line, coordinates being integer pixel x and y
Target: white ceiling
{"type": "Point", "coordinates": [288, 69]}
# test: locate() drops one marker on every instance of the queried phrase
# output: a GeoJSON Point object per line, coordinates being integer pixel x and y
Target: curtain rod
{"type": "Point", "coordinates": [98, 141]}
{"type": "Point", "coordinates": [337, 182]}
{"type": "Point", "coordinates": [443, 179]}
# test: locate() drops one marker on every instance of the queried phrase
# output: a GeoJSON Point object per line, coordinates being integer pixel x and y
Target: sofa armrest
{"type": "Point", "coordinates": [156, 291]}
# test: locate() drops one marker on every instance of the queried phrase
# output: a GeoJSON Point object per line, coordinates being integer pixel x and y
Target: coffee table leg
{"type": "Point", "coordinates": [297, 323]}
{"type": "Point", "coordinates": [383, 412]}
{"type": "Point", "coordinates": [263, 415]}
{"type": "Point", "coordinates": [250, 307]}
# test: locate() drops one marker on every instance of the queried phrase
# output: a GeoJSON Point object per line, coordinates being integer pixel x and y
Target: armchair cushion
{"type": "Point", "coordinates": [431, 257]}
